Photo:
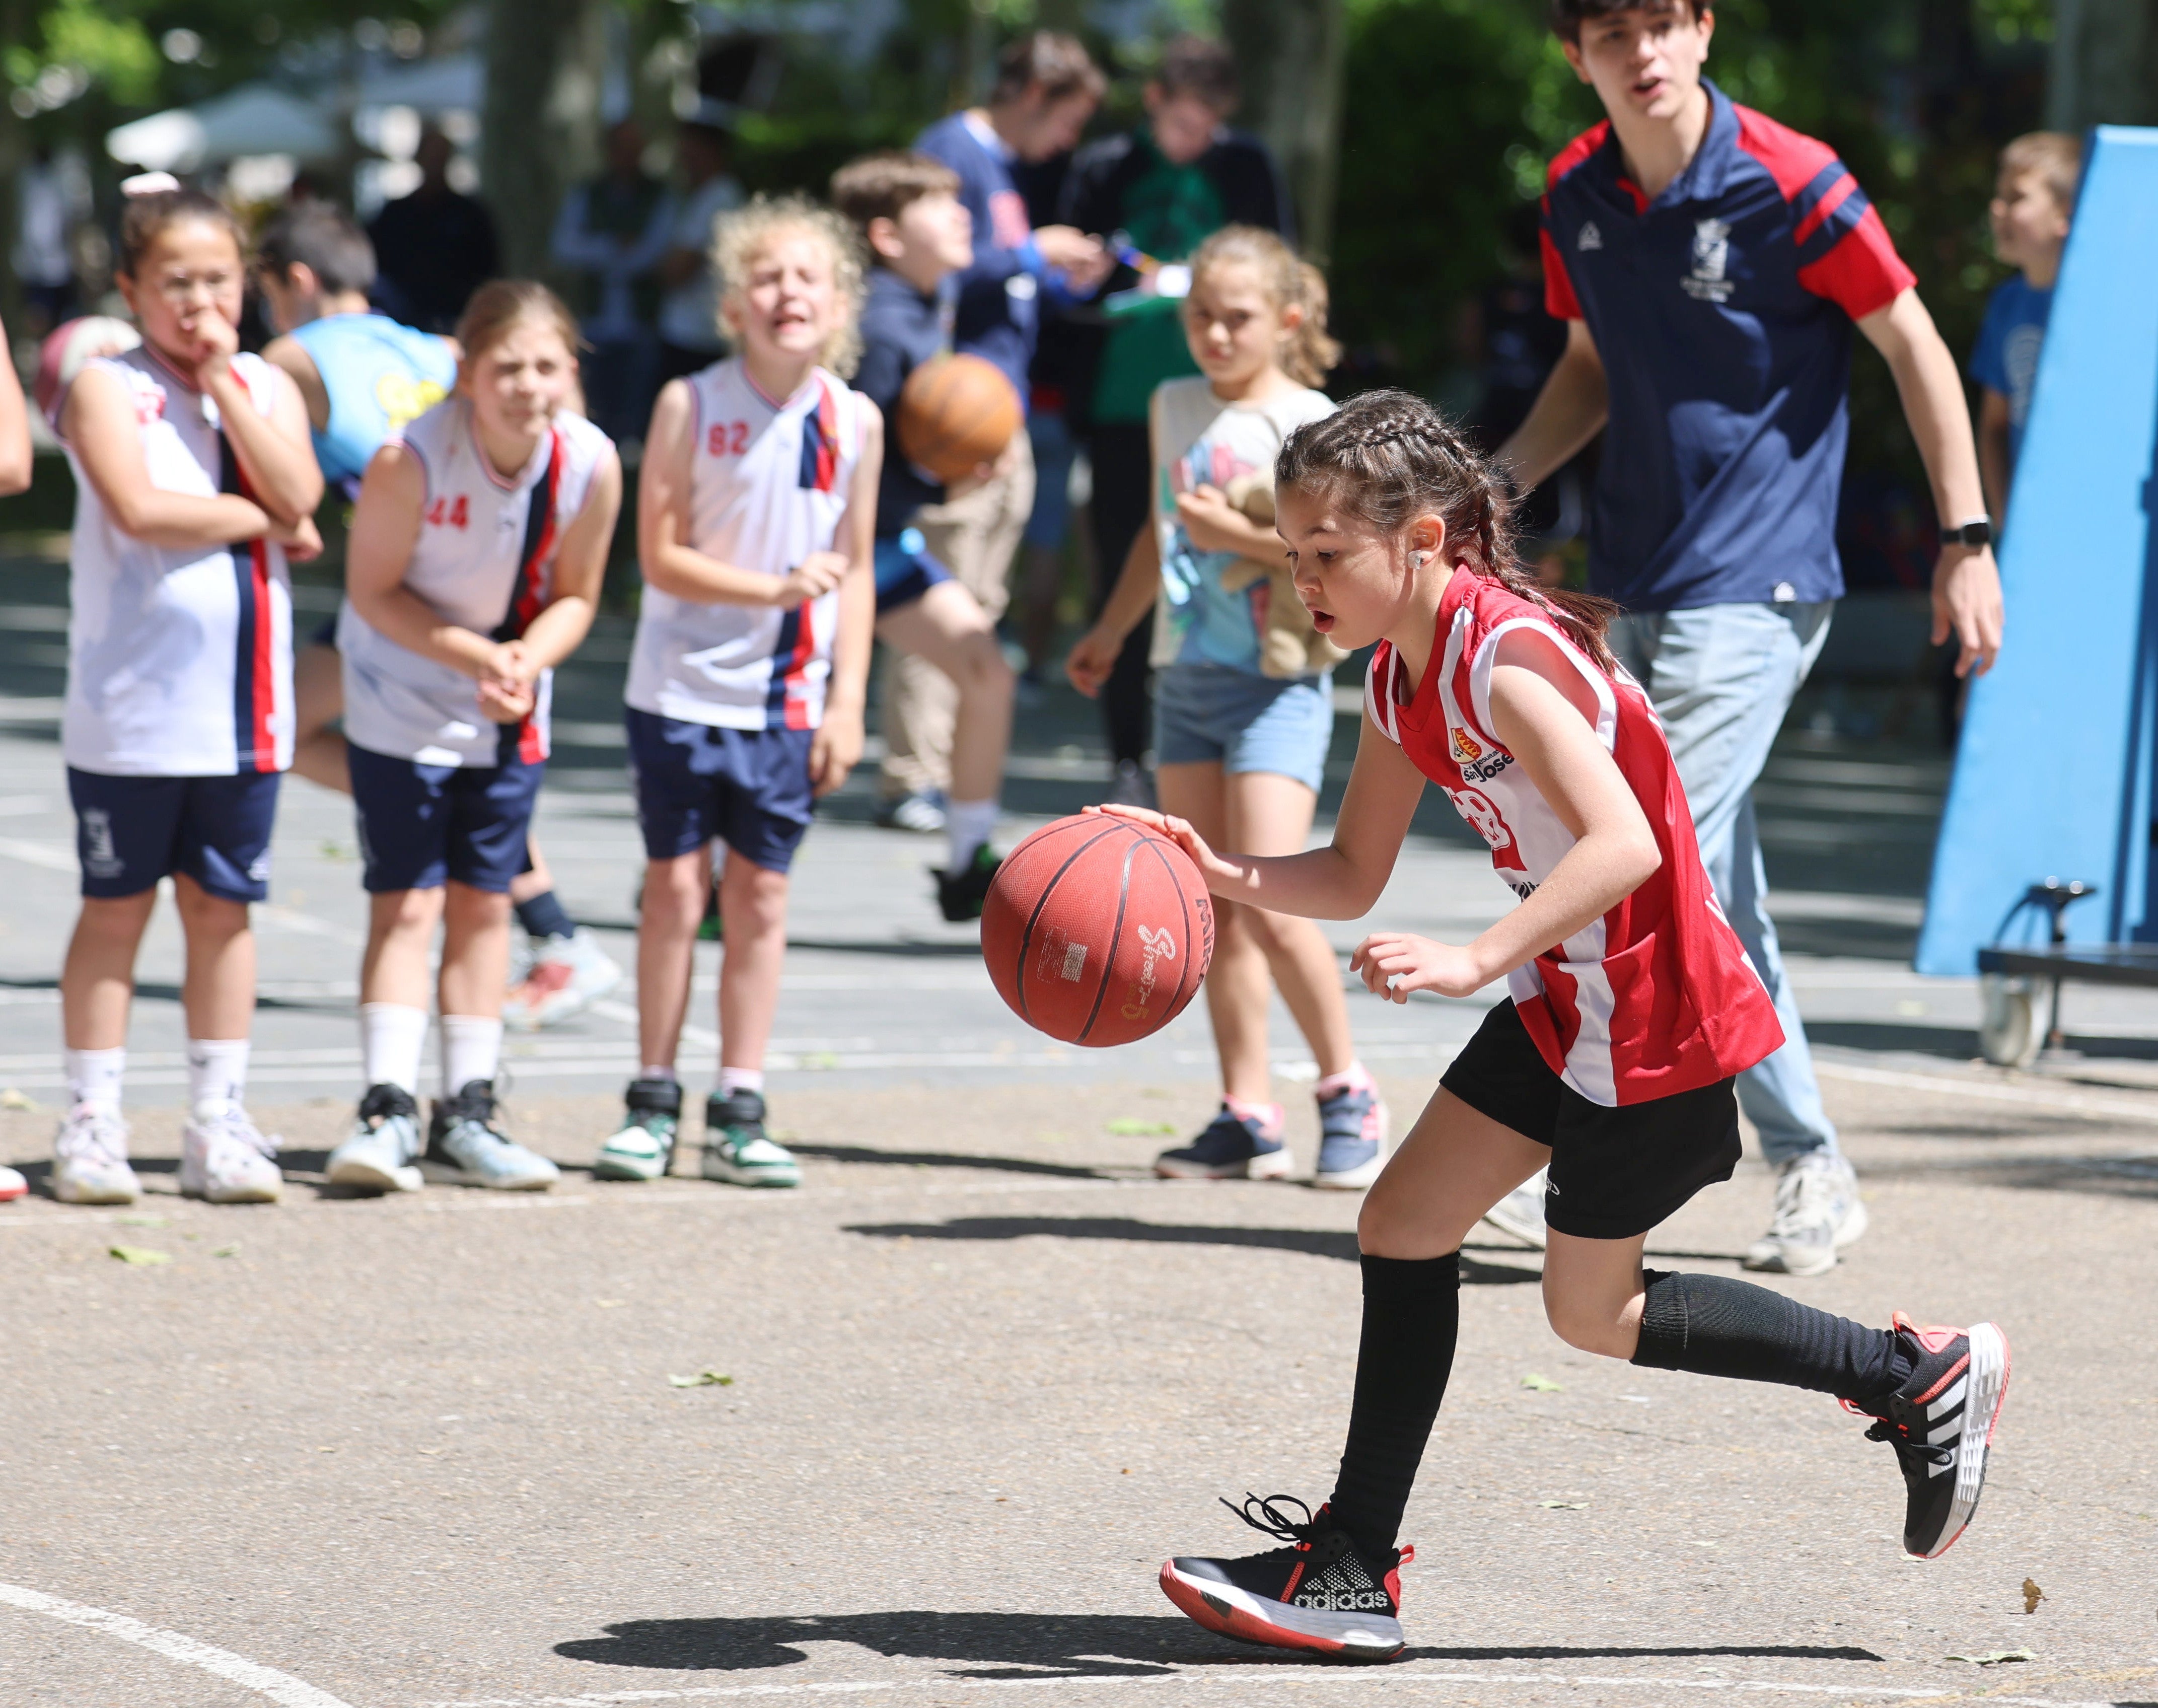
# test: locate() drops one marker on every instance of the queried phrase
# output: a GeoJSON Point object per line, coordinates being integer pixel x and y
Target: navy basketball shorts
{"type": "Point", "coordinates": [695, 782]}
{"type": "Point", "coordinates": [422, 826]}
{"type": "Point", "coordinates": [905, 569]}
{"type": "Point", "coordinates": [1614, 1172]}
{"type": "Point", "coordinates": [131, 831]}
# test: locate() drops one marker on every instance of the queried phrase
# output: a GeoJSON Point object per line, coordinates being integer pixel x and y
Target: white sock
{"type": "Point", "coordinates": [390, 1038]}
{"type": "Point", "coordinates": [740, 1078]}
{"type": "Point", "coordinates": [654, 1071]}
{"type": "Point", "coordinates": [966, 827]}
{"type": "Point", "coordinates": [217, 1069]}
{"type": "Point", "coordinates": [94, 1075]}
{"type": "Point", "coordinates": [472, 1049]}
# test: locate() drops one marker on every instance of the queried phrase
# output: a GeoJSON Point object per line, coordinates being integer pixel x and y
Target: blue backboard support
{"type": "Point", "coordinates": [2053, 776]}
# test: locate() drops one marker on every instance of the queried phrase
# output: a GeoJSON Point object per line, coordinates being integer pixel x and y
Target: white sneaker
{"type": "Point", "coordinates": [224, 1158]}
{"type": "Point", "coordinates": [567, 976]}
{"type": "Point", "coordinates": [90, 1158]}
{"type": "Point", "coordinates": [382, 1152]}
{"type": "Point", "coordinates": [465, 1147]}
{"type": "Point", "coordinates": [1818, 1212]}
{"type": "Point", "coordinates": [1520, 1212]}
{"type": "Point", "coordinates": [13, 1186]}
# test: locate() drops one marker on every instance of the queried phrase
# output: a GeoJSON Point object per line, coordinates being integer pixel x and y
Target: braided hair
{"type": "Point", "coordinates": [1388, 457]}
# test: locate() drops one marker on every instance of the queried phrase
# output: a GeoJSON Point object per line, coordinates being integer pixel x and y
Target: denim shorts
{"type": "Point", "coordinates": [1242, 721]}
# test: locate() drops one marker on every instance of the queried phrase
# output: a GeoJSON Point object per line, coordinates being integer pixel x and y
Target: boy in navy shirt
{"type": "Point", "coordinates": [1711, 264]}
{"type": "Point", "coordinates": [1046, 89]}
{"type": "Point", "coordinates": [2033, 198]}
{"type": "Point", "coordinates": [919, 234]}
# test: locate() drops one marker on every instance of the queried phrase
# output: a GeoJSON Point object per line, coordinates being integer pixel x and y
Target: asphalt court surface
{"type": "Point", "coordinates": [983, 1371]}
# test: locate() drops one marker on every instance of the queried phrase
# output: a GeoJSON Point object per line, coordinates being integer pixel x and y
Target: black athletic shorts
{"type": "Point", "coordinates": [1614, 1172]}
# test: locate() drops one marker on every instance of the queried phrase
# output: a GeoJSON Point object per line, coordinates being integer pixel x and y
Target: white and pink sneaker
{"type": "Point", "coordinates": [225, 1159]}
{"type": "Point", "coordinates": [90, 1158]}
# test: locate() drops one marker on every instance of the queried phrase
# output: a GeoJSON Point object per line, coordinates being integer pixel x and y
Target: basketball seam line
{"type": "Point", "coordinates": [1026, 936]}
{"type": "Point", "coordinates": [1115, 937]}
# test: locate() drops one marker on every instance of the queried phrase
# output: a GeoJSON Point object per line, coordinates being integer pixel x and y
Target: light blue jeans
{"type": "Point", "coordinates": [1722, 677]}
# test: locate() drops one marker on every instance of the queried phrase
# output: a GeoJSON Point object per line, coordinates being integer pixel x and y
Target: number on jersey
{"type": "Point", "coordinates": [443, 513]}
{"type": "Point", "coordinates": [727, 439]}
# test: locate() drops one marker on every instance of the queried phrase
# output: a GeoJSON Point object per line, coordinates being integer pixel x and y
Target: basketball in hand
{"type": "Point", "coordinates": [1097, 931]}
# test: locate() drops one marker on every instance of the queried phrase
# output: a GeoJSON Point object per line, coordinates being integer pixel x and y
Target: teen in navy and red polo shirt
{"type": "Point", "coordinates": [1712, 266]}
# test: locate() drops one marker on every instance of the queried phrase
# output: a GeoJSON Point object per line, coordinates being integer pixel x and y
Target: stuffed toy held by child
{"type": "Point", "coordinates": [1288, 645]}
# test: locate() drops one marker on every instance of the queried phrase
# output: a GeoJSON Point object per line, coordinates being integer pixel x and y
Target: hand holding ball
{"type": "Point", "coordinates": [1097, 931]}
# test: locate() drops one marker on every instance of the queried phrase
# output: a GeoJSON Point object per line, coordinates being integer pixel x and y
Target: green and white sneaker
{"type": "Point", "coordinates": [644, 1148]}
{"type": "Point", "coordinates": [737, 1149]}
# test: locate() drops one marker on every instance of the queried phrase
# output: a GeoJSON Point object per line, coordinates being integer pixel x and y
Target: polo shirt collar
{"type": "Point", "coordinates": [1705, 175]}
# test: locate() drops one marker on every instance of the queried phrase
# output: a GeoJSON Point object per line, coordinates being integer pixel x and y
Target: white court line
{"type": "Point", "coordinates": [1250, 1675]}
{"type": "Point", "coordinates": [279, 1687]}
{"type": "Point", "coordinates": [2026, 1095]}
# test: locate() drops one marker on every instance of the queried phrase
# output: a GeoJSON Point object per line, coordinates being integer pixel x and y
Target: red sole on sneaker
{"type": "Point", "coordinates": [1220, 1615]}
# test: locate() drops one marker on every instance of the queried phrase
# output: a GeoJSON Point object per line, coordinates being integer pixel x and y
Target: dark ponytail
{"type": "Point", "coordinates": [1388, 457]}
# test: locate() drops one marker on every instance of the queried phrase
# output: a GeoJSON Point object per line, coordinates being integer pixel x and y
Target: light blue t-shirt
{"type": "Point", "coordinates": [379, 374]}
{"type": "Point", "coordinates": [2006, 358]}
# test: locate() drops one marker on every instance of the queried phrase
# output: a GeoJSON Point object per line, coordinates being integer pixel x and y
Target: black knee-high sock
{"type": "Point", "coordinates": [1412, 1318]}
{"type": "Point", "coordinates": [1714, 1326]}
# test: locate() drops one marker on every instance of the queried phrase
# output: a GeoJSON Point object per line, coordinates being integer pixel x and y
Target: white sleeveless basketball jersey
{"type": "Point", "coordinates": [768, 483]}
{"type": "Point", "coordinates": [485, 561]}
{"type": "Point", "coordinates": [179, 659]}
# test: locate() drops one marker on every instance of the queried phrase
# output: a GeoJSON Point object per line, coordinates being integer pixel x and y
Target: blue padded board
{"type": "Point", "coordinates": [2053, 777]}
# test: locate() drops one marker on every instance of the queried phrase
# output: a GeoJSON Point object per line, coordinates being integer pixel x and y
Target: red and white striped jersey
{"type": "Point", "coordinates": [485, 561]}
{"type": "Point", "coordinates": [179, 657]}
{"type": "Point", "coordinates": [1657, 997]}
{"type": "Point", "coordinates": [769, 481]}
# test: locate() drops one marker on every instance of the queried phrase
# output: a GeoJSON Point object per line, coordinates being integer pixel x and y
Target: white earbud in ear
{"type": "Point", "coordinates": [1417, 559]}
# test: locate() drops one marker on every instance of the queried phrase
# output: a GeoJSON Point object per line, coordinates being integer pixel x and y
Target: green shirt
{"type": "Point", "coordinates": [1169, 210]}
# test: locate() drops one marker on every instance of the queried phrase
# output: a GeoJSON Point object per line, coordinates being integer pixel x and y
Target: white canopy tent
{"type": "Point", "coordinates": [255, 119]}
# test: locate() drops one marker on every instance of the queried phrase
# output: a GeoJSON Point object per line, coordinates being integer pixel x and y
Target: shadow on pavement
{"type": "Point", "coordinates": [1316, 1242]}
{"type": "Point", "coordinates": [1080, 1645]}
{"type": "Point", "coordinates": [949, 1159]}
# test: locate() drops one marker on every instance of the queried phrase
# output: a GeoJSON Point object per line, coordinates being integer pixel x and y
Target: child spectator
{"type": "Point", "coordinates": [478, 550]}
{"type": "Point", "coordinates": [192, 479]}
{"type": "Point", "coordinates": [756, 507]}
{"type": "Point", "coordinates": [907, 208]}
{"type": "Point", "coordinates": [2033, 198]}
{"type": "Point", "coordinates": [1245, 708]}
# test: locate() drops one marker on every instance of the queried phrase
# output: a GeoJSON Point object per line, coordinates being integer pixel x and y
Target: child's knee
{"type": "Point", "coordinates": [1590, 1324]}
{"type": "Point", "coordinates": [981, 667]}
{"type": "Point", "coordinates": [202, 913]}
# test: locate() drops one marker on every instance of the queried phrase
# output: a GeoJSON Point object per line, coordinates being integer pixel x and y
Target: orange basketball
{"type": "Point", "coordinates": [1097, 931]}
{"type": "Point", "coordinates": [955, 414]}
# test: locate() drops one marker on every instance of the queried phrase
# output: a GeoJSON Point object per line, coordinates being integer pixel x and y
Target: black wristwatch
{"type": "Point", "coordinates": [1972, 534]}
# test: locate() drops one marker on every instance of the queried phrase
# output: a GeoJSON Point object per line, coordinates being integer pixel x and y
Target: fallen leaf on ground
{"type": "Point", "coordinates": [1132, 1126]}
{"type": "Point", "coordinates": [140, 1254]}
{"type": "Point", "coordinates": [703, 1379]}
{"type": "Point", "coordinates": [225, 1252]}
{"type": "Point", "coordinates": [140, 1221]}
{"type": "Point", "coordinates": [610, 1305]}
{"type": "Point", "coordinates": [2033, 1595]}
{"type": "Point", "coordinates": [1994, 1657]}
{"type": "Point", "coordinates": [1564, 1505]}
{"type": "Point", "coordinates": [13, 1099]}
{"type": "Point", "coordinates": [1541, 1384]}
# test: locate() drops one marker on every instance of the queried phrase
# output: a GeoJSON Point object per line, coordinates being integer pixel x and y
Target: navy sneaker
{"type": "Point", "coordinates": [1321, 1593]}
{"type": "Point", "coordinates": [1352, 1139]}
{"type": "Point", "coordinates": [1230, 1147]}
{"type": "Point", "coordinates": [1940, 1422]}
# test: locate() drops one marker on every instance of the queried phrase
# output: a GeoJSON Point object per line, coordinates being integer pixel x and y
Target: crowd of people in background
{"type": "Point", "coordinates": [1142, 294]}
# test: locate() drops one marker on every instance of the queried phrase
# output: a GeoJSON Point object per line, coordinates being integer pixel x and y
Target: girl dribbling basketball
{"type": "Point", "coordinates": [1244, 703]}
{"type": "Point", "coordinates": [1632, 1007]}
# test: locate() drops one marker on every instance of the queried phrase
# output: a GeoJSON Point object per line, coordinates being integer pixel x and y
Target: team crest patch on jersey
{"type": "Point", "coordinates": [1589, 237]}
{"type": "Point", "coordinates": [1467, 749]}
{"type": "Point", "coordinates": [1711, 261]}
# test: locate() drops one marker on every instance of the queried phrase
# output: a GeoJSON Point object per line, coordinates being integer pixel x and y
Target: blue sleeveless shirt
{"type": "Point", "coordinates": [379, 374]}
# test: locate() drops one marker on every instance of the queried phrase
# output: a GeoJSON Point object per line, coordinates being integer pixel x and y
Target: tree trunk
{"type": "Point", "coordinates": [1291, 55]}
{"type": "Point", "coordinates": [2104, 69]}
{"type": "Point", "coordinates": [545, 61]}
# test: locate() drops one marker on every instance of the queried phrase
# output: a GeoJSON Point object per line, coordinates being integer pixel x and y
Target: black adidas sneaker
{"type": "Point", "coordinates": [1318, 1593]}
{"type": "Point", "coordinates": [1940, 1422]}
